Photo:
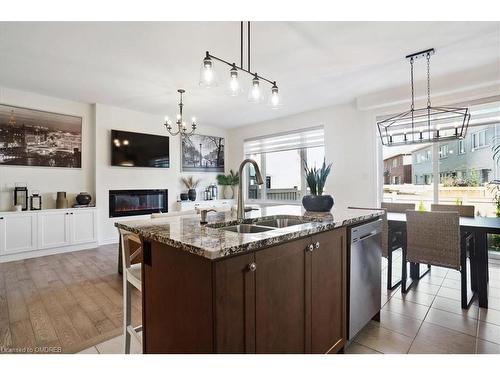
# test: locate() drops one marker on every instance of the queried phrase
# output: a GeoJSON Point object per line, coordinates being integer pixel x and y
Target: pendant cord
{"type": "Point", "coordinates": [428, 80]}
{"type": "Point", "coordinates": [241, 44]}
{"type": "Point", "coordinates": [412, 88]}
{"type": "Point", "coordinates": [248, 46]}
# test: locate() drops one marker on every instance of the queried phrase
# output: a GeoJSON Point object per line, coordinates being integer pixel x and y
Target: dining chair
{"type": "Point", "coordinates": [131, 278]}
{"type": "Point", "coordinates": [387, 246]}
{"type": "Point", "coordinates": [434, 238]}
{"type": "Point", "coordinates": [463, 211]}
{"type": "Point", "coordinates": [397, 207]}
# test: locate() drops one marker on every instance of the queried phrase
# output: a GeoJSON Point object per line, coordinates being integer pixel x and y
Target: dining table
{"type": "Point", "coordinates": [480, 227]}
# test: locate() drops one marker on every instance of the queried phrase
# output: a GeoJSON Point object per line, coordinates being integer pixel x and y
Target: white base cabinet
{"type": "Point", "coordinates": [36, 233]}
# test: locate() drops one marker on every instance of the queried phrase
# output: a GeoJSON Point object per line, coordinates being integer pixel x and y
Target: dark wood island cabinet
{"type": "Point", "coordinates": [287, 298]}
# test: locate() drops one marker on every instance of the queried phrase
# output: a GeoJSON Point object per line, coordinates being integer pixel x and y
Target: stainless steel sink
{"type": "Point", "coordinates": [247, 228]}
{"type": "Point", "coordinates": [280, 222]}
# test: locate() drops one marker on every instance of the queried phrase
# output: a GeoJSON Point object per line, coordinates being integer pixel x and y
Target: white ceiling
{"type": "Point", "coordinates": [140, 65]}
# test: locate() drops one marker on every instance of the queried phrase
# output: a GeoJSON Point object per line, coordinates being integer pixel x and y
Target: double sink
{"type": "Point", "coordinates": [265, 225]}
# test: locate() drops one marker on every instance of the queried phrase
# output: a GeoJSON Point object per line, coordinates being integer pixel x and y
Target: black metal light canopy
{"type": "Point", "coordinates": [423, 125]}
{"type": "Point", "coordinates": [208, 77]}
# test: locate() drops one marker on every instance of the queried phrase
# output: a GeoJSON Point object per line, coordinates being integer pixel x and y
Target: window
{"type": "Point", "coordinates": [479, 139]}
{"type": "Point", "coordinates": [461, 146]}
{"type": "Point", "coordinates": [443, 151]}
{"type": "Point", "coordinates": [281, 158]}
{"type": "Point", "coordinates": [394, 163]}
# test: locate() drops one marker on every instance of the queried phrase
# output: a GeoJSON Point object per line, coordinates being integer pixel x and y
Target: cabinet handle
{"type": "Point", "coordinates": [67, 213]}
{"type": "Point", "coordinates": [310, 247]}
{"type": "Point", "coordinates": [316, 245]}
{"type": "Point", "coordinates": [1, 218]}
{"type": "Point", "coordinates": [252, 267]}
{"type": "Point", "coordinates": [72, 214]}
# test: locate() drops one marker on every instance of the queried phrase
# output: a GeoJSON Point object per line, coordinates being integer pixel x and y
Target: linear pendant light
{"type": "Point", "coordinates": [255, 95]}
{"type": "Point", "coordinates": [423, 125]}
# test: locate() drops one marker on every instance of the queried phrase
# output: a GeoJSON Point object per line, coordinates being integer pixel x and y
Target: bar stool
{"type": "Point", "coordinates": [131, 278]}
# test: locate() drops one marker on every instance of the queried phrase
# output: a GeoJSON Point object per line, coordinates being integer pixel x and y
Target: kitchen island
{"type": "Point", "coordinates": [278, 287]}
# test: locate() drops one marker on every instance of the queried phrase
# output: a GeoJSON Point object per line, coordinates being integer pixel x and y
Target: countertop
{"type": "Point", "coordinates": [186, 232]}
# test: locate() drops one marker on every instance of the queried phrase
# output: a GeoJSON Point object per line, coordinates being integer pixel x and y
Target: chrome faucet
{"type": "Point", "coordinates": [240, 212]}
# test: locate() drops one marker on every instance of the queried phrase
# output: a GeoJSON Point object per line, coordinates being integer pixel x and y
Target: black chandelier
{"type": "Point", "coordinates": [255, 95]}
{"type": "Point", "coordinates": [423, 125]}
{"type": "Point", "coordinates": [181, 124]}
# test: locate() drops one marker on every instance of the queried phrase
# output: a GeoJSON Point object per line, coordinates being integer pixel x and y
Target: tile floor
{"type": "Point", "coordinates": [428, 320]}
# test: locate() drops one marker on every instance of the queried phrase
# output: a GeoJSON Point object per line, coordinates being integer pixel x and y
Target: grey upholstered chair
{"type": "Point", "coordinates": [131, 278]}
{"type": "Point", "coordinates": [434, 238]}
{"type": "Point", "coordinates": [386, 250]}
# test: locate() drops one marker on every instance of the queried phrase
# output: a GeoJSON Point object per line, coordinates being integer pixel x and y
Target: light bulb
{"type": "Point", "coordinates": [274, 98]}
{"type": "Point", "coordinates": [254, 94]}
{"type": "Point", "coordinates": [193, 120]}
{"type": "Point", "coordinates": [234, 84]}
{"type": "Point", "coordinates": [178, 116]}
{"type": "Point", "coordinates": [207, 73]}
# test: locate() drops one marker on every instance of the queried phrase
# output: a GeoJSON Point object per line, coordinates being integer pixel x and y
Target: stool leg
{"type": "Point", "coordinates": [127, 311]}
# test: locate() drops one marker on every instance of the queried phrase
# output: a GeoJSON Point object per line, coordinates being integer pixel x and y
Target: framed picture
{"type": "Point", "coordinates": [36, 138]}
{"type": "Point", "coordinates": [202, 153]}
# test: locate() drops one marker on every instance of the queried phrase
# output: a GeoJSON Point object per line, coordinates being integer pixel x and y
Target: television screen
{"type": "Point", "coordinates": [130, 149]}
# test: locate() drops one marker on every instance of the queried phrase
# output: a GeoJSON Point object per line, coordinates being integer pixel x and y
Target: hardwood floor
{"type": "Point", "coordinates": [62, 303]}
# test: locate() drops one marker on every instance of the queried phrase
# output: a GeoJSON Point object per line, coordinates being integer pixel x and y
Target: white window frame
{"type": "Point", "coordinates": [443, 151]}
{"type": "Point", "coordinates": [477, 136]}
{"type": "Point", "coordinates": [461, 146]}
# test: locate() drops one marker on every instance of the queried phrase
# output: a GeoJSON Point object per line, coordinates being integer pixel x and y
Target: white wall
{"type": "Point", "coordinates": [349, 145]}
{"type": "Point", "coordinates": [50, 180]}
{"type": "Point", "coordinates": [110, 178]}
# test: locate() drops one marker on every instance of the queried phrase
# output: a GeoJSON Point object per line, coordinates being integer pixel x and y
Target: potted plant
{"type": "Point", "coordinates": [228, 181]}
{"type": "Point", "coordinates": [191, 183]}
{"type": "Point", "coordinates": [316, 179]}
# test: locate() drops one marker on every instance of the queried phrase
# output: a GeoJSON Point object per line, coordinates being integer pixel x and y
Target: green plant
{"type": "Point", "coordinates": [190, 182]}
{"type": "Point", "coordinates": [316, 178]}
{"type": "Point", "coordinates": [458, 201]}
{"type": "Point", "coordinates": [233, 178]}
{"type": "Point", "coordinates": [421, 206]}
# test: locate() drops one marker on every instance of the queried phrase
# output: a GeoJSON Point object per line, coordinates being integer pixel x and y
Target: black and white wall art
{"type": "Point", "coordinates": [34, 138]}
{"type": "Point", "coordinates": [202, 153]}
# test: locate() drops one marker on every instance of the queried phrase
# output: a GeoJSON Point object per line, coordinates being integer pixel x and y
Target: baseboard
{"type": "Point", "coordinates": [108, 241]}
{"type": "Point", "coordinates": [45, 252]}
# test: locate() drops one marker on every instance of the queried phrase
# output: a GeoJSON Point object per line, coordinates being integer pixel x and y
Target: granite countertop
{"type": "Point", "coordinates": [186, 232]}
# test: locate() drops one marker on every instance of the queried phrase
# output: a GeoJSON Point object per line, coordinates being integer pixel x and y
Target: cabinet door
{"type": "Point", "coordinates": [280, 298]}
{"type": "Point", "coordinates": [19, 233]}
{"type": "Point", "coordinates": [328, 291]}
{"type": "Point", "coordinates": [83, 226]}
{"type": "Point", "coordinates": [53, 229]}
{"type": "Point", "coordinates": [235, 304]}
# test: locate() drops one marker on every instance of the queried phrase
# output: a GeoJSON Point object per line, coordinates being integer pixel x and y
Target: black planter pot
{"type": "Point", "coordinates": [317, 203]}
{"type": "Point", "coordinates": [83, 198]}
{"type": "Point", "coordinates": [192, 194]}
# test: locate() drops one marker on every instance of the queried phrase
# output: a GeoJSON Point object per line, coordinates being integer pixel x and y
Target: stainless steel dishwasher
{"type": "Point", "coordinates": [364, 274]}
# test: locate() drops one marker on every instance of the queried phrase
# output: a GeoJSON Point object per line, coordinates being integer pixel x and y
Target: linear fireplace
{"type": "Point", "coordinates": [137, 202]}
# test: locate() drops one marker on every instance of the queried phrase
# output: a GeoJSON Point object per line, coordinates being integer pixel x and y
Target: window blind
{"type": "Point", "coordinates": [312, 137]}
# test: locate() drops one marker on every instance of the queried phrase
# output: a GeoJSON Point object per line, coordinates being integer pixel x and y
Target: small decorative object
{"type": "Point", "coordinates": [213, 191]}
{"type": "Point", "coordinates": [28, 134]}
{"type": "Point", "coordinates": [184, 197]}
{"type": "Point", "coordinates": [21, 196]}
{"type": "Point", "coordinates": [202, 153]}
{"type": "Point", "coordinates": [61, 201]}
{"type": "Point", "coordinates": [83, 198]}
{"type": "Point", "coordinates": [228, 181]}
{"type": "Point", "coordinates": [421, 206]}
{"type": "Point", "coordinates": [316, 179]}
{"type": "Point", "coordinates": [191, 183]}
{"type": "Point", "coordinates": [36, 201]}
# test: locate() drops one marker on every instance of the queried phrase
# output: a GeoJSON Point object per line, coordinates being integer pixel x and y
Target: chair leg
{"type": "Point", "coordinates": [127, 318]}
{"type": "Point", "coordinates": [404, 272]}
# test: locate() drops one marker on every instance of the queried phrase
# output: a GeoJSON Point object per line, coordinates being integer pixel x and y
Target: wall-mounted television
{"type": "Point", "coordinates": [129, 149]}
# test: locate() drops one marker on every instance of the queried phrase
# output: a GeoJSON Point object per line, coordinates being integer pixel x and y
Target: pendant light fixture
{"type": "Point", "coordinates": [255, 92]}
{"type": "Point", "coordinates": [423, 125]}
{"type": "Point", "coordinates": [181, 124]}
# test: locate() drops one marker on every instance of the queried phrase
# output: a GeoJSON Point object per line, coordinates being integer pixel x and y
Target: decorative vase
{"type": "Point", "coordinates": [228, 192]}
{"type": "Point", "coordinates": [184, 196]}
{"type": "Point", "coordinates": [61, 201]}
{"type": "Point", "coordinates": [317, 203]}
{"type": "Point", "coordinates": [192, 194]}
{"type": "Point", "coordinates": [83, 198]}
